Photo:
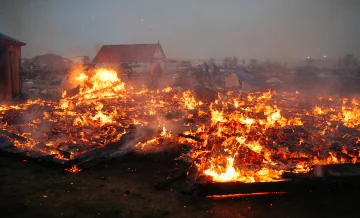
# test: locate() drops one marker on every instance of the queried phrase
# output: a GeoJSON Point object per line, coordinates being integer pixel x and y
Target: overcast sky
{"type": "Point", "coordinates": [187, 28]}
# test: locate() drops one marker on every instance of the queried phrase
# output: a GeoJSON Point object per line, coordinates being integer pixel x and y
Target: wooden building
{"type": "Point", "coordinates": [138, 56]}
{"type": "Point", "coordinates": [10, 62]}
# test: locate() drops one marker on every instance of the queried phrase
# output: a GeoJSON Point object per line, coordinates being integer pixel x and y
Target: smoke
{"type": "Point", "coordinates": [157, 136]}
{"type": "Point", "coordinates": [159, 132]}
{"type": "Point", "coordinates": [33, 128]}
{"type": "Point", "coordinates": [70, 81]}
{"type": "Point", "coordinates": [264, 29]}
{"type": "Point", "coordinates": [150, 139]}
{"type": "Point", "coordinates": [317, 84]}
{"type": "Point", "coordinates": [152, 134]}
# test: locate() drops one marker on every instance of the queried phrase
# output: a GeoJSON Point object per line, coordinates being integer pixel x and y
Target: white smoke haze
{"type": "Point", "coordinates": [70, 81]}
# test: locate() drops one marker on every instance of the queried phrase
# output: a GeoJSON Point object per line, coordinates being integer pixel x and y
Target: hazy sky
{"type": "Point", "coordinates": [187, 28]}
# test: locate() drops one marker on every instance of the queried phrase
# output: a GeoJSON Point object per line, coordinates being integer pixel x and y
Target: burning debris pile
{"type": "Point", "coordinates": [253, 137]}
{"type": "Point", "coordinates": [260, 136]}
{"type": "Point", "coordinates": [99, 112]}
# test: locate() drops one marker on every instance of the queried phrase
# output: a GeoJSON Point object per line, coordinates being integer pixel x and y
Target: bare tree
{"type": "Point", "coordinates": [272, 65]}
{"type": "Point", "coordinates": [234, 61]}
{"type": "Point", "coordinates": [230, 61]}
{"type": "Point", "coordinates": [226, 62]}
{"type": "Point", "coordinates": [348, 62]}
{"type": "Point", "coordinates": [243, 62]}
{"type": "Point", "coordinates": [211, 61]}
{"type": "Point", "coordinates": [253, 62]}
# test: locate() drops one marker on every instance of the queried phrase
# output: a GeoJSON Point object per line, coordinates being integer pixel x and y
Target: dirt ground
{"type": "Point", "coordinates": [125, 188]}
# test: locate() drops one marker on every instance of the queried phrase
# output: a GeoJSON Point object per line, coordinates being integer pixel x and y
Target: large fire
{"type": "Point", "coordinates": [257, 137]}
{"type": "Point", "coordinates": [245, 137]}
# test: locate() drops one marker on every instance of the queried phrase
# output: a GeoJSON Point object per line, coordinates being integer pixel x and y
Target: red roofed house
{"type": "Point", "coordinates": [10, 60]}
{"type": "Point", "coordinates": [138, 56]}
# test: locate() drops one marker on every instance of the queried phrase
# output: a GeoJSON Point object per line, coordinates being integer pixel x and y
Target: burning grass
{"type": "Point", "coordinates": [253, 137]}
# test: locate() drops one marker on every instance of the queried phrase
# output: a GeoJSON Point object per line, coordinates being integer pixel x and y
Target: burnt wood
{"type": "Point", "coordinates": [326, 171]}
{"type": "Point", "coordinates": [188, 187]}
{"type": "Point", "coordinates": [322, 178]}
{"type": "Point", "coordinates": [300, 186]}
{"type": "Point", "coordinates": [191, 137]}
{"type": "Point", "coordinates": [85, 160]}
{"type": "Point", "coordinates": [11, 135]}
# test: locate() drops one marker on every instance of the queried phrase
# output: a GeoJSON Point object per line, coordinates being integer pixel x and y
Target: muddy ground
{"type": "Point", "coordinates": [125, 188]}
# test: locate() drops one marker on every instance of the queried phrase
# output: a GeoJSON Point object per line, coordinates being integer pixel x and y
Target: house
{"type": "Point", "coordinates": [10, 62]}
{"type": "Point", "coordinates": [138, 56]}
{"type": "Point", "coordinates": [49, 62]}
{"type": "Point", "coordinates": [237, 78]}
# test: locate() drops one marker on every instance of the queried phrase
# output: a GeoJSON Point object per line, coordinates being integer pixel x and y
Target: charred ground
{"type": "Point", "coordinates": [125, 188]}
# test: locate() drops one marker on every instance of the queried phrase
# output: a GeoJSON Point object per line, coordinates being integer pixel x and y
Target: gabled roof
{"type": "Point", "coordinates": [127, 53]}
{"type": "Point", "coordinates": [5, 39]}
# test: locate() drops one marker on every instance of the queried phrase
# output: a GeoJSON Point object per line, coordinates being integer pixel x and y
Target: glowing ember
{"type": "Point", "coordinates": [263, 138]}
{"type": "Point", "coordinates": [244, 195]}
{"type": "Point", "coordinates": [73, 169]}
{"type": "Point", "coordinates": [253, 137]}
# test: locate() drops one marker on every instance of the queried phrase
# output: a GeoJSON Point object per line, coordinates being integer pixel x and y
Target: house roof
{"type": "Point", "coordinates": [127, 53]}
{"type": "Point", "coordinates": [5, 39]}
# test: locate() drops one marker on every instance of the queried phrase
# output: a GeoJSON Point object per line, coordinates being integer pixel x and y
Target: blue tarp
{"type": "Point", "coordinates": [247, 77]}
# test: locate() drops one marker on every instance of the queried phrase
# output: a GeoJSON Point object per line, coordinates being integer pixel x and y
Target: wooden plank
{"type": "Point", "coordinates": [188, 187]}
{"type": "Point", "coordinates": [324, 171]}
{"type": "Point", "coordinates": [319, 185]}
{"type": "Point", "coordinates": [85, 160]}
